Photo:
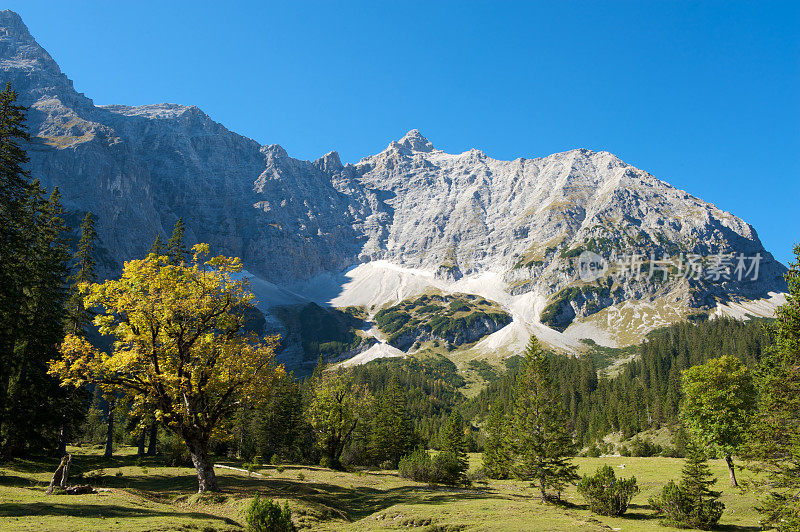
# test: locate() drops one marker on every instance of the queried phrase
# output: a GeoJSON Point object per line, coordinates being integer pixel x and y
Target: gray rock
{"type": "Point", "coordinates": [140, 168]}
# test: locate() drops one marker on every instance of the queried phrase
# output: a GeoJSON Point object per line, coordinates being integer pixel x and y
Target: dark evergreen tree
{"type": "Point", "coordinates": [176, 247]}
{"type": "Point", "coordinates": [392, 430]}
{"type": "Point", "coordinates": [78, 317]}
{"type": "Point", "coordinates": [33, 396]}
{"type": "Point", "coordinates": [774, 441]}
{"type": "Point", "coordinates": [691, 503]}
{"type": "Point", "coordinates": [539, 432]}
{"type": "Point", "coordinates": [496, 453]}
{"type": "Point", "coordinates": [455, 446]}
{"type": "Point", "coordinates": [14, 239]}
{"type": "Point", "coordinates": [158, 247]}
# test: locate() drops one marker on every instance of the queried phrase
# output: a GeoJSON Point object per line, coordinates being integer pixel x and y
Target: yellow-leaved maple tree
{"type": "Point", "coordinates": [181, 346]}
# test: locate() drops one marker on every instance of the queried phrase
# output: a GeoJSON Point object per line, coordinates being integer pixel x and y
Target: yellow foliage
{"type": "Point", "coordinates": [180, 348]}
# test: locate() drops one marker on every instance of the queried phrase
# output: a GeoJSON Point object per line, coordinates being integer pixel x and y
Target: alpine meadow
{"type": "Point", "coordinates": [201, 332]}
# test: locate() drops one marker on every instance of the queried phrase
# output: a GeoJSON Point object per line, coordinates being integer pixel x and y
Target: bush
{"type": "Point", "coordinates": [416, 466]}
{"type": "Point", "coordinates": [678, 509]}
{"type": "Point", "coordinates": [606, 494]}
{"type": "Point", "coordinates": [264, 515]}
{"type": "Point", "coordinates": [446, 468]}
{"type": "Point", "coordinates": [175, 452]}
{"type": "Point", "coordinates": [593, 451]}
{"type": "Point", "coordinates": [640, 447]}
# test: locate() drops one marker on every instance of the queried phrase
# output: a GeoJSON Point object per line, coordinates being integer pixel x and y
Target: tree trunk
{"type": "Point", "coordinates": [60, 476]}
{"type": "Point", "coordinates": [206, 479]}
{"type": "Point", "coordinates": [151, 448]}
{"type": "Point", "coordinates": [110, 432]}
{"type": "Point", "coordinates": [62, 440]}
{"type": "Point", "coordinates": [140, 449]}
{"type": "Point", "coordinates": [729, 461]}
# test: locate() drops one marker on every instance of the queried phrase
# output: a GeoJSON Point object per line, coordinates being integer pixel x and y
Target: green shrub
{"type": "Point", "coordinates": [446, 468]}
{"type": "Point", "coordinates": [264, 515]}
{"type": "Point", "coordinates": [692, 503]}
{"type": "Point", "coordinates": [416, 466]}
{"type": "Point", "coordinates": [644, 447]}
{"type": "Point", "coordinates": [605, 493]}
{"type": "Point", "coordinates": [593, 451]}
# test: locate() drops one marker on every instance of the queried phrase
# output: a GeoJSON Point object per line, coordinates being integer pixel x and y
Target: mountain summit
{"type": "Point", "coordinates": [407, 220]}
{"type": "Point", "coordinates": [414, 141]}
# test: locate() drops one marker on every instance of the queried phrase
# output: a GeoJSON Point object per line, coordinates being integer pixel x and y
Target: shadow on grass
{"type": "Point", "coordinates": [96, 511]}
{"type": "Point", "coordinates": [349, 503]}
{"type": "Point", "coordinates": [14, 481]}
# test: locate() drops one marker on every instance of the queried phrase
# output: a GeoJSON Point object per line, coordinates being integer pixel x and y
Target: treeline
{"type": "Point", "coordinates": [646, 392]}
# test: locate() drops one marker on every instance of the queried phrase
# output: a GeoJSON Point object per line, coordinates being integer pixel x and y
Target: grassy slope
{"type": "Point", "coordinates": [324, 500]}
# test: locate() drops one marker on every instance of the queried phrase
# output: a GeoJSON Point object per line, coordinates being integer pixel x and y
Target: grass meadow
{"type": "Point", "coordinates": [143, 495]}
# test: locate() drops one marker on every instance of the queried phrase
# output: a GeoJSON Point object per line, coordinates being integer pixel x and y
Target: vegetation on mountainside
{"type": "Point", "coordinates": [457, 319]}
{"type": "Point", "coordinates": [324, 333]}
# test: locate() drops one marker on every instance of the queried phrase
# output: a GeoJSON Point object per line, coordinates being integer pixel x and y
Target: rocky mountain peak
{"type": "Point", "coordinates": [414, 141]}
{"type": "Point", "coordinates": [329, 162]}
{"type": "Point", "coordinates": [18, 48]}
{"type": "Point", "coordinates": [11, 25]}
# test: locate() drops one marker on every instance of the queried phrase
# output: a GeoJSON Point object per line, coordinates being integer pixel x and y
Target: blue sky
{"type": "Point", "coordinates": [703, 95]}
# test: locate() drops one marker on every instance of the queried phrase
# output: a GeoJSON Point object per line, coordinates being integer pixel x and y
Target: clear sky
{"type": "Point", "coordinates": [704, 95]}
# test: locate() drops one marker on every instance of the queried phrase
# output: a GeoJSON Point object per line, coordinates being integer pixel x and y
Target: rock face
{"type": "Point", "coordinates": [453, 215]}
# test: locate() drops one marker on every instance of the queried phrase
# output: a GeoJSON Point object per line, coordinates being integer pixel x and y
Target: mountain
{"type": "Point", "coordinates": [407, 221]}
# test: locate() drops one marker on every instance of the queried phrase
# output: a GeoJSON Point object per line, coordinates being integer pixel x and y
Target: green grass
{"type": "Point", "coordinates": [162, 498]}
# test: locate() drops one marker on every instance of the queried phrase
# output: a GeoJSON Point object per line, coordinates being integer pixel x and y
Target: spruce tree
{"type": "Point", "coordinates": [176, 248]}
{"type": "Point", "coordinates": [79, 317]}
{"type": "Point", "coordinates": [540, 438]}
{"type": "Point", "coordinates": [705, 508]}
{"type": "Point", "coordinates": [496, 455]}
{"type": "Point", "coordinates": [33, 396]}
{"type": "Point", "coordinates": [691, 503]}
{"type": "Point", "coordinates": [774, 440]}
{"type": "Point", "coordinates": [454, 448]}
{"type": "Point", "coordinates": [392, 430]}
{"type": "Point", "coordinates": [158, 246]}
{"type": "Point", "coordinates": [15, 239]}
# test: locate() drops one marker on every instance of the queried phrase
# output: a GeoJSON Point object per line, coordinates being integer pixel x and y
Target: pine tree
{"type": "Point", "coordinates": [158, 246]}
{"type": "Point", "coordinates": [496, 455]}
{"type": "Point", "coordinates": [691, 503]}
{"type": "Point", "coordinates": [539, 431]}
{"type": "Point", "coordinates": [392, 430]}
{"type": "Point", "coordinates": [454, 446]}
{"type": "Point", "coordinates": [14, 237]}
{"type": "Point", "coordinates": [696, 482]}
{"type": "Point", "coordinates": [33, 396]}
{"type": "Point", "coordinates": [13, 175]}
{"type": "Point", "coordinates": [176, 247]}
{"type": "Point", "coordinates": [79, 317]}
{"type": "Point", "coordinates": [774, 441]}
